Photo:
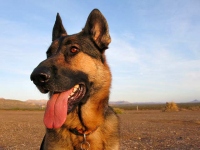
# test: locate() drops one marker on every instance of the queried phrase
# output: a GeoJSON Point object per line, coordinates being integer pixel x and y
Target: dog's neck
{"type": "Point", "coordinates": [81, 131]}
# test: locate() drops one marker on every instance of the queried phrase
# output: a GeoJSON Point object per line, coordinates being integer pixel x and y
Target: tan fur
{"type": "Point", "coordinates": [92, 112]}
{"type": "Point", "coordinates": [91, 120]}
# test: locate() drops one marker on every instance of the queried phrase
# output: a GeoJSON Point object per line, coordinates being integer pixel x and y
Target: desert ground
{"type": "Point", "coordinates": [142, 130]}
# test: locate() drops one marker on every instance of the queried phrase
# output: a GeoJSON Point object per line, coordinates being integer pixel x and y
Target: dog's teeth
{"type": "Point", "coordinates": [75, 88]}
{"type": "Point", "coordinates": [72, 93]}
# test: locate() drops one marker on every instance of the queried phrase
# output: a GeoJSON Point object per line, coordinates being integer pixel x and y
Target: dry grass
{"type": "Point", "coordinates": [118, 110]}
{"type": "Point", "coordinates": [171, 106]}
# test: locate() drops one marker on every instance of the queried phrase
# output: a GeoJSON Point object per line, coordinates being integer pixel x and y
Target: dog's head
{"type": "Point", "coordinates": [73, 66]}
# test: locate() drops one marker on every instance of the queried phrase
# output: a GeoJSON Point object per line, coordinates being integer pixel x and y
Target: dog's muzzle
{"type": "Point", "coordinates": [40, 77]}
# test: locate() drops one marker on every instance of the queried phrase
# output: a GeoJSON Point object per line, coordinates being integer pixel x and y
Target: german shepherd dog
{"type": "Point", "coordinates": [78, 79]}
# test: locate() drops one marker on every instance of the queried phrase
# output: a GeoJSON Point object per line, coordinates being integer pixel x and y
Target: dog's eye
{"type": "Point", "coordinates": [74, 50]}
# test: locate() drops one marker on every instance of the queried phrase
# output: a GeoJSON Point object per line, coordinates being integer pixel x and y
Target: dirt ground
{"type": "Point", "coordinates": [142, 130]}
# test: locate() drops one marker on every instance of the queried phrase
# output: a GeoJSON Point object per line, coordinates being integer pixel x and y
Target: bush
{"type": "Point", "coordinates": [171, 107]}
{"type": "Point", "coordinates": [118, 110]}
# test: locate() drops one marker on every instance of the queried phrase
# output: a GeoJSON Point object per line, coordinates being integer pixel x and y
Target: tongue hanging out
{"type": "Point", "coordinates": [56, 111]}
{"type": "Point", "coordinates": [60, 104]}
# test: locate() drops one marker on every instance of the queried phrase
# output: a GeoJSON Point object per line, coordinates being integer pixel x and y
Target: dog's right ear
{"type": "Point", "coordinates": [58, 29]}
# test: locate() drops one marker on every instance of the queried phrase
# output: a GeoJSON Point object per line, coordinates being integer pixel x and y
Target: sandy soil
{"type": "Point", "coordinates": [142, 130]}
{"type": "Point", "coordinates": [153, 130]}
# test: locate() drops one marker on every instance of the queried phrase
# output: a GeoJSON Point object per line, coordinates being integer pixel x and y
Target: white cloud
{"type": "Point", "coordinates": [154, 51]}
{"type": "Point", "coordinates": [152, 72]}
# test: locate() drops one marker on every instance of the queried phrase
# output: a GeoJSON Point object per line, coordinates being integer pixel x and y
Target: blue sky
{"type": "Point", "coordinates": [154, 55]}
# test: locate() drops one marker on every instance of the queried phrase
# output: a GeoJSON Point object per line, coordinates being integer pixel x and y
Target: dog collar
{"type": "Point", "coordinates": [82, 132]}
{"type": "Point", "coordinates": [85, 145]}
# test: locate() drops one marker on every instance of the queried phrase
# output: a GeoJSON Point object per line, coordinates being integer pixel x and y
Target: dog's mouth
{"type": "Point", "coordinates": [76, 96]}
{"type": "Point", "coordinates": [62, 103]}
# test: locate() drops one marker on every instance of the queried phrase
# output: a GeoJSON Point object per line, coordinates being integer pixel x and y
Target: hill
{"type": "Point", "coordinates": [17, 104]}
{"type": "Point", "coordinates": [37, 102]}
{"type": "Point", "coordinates": [9, 104]}
{"type": "Point", "coordinates": [119, 102]}
{"type": "Point", "coordinates": [195, 101]}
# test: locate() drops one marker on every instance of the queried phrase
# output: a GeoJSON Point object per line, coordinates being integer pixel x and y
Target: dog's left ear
{"type": "Point", "coordinates": [58, 29]}
{"type": "Point", "coordinates": [97, 27]}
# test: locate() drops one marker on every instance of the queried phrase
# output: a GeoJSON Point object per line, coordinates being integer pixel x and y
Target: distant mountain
{"type": "Point", "coordinates": [37, 102]}
{"type": "Point", "coordinates": [17, 104]}
{"type": "Point", "coordinates": [195, 101]}
{"type": "Point", "coordinates": [119, 102]}
{"type": "Point", "coordinates": [41, 104]}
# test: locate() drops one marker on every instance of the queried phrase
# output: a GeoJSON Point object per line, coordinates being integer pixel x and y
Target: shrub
{"type": "Point", "coordinates": [118, 110]}
{"type": "Point", "coordinates": [171, 107]}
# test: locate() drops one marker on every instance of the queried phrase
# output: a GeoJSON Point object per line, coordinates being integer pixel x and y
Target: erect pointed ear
{"type": "Point", "coordinates": [58, 28]}
{"type": "Point", "coordinates": [97, 27]}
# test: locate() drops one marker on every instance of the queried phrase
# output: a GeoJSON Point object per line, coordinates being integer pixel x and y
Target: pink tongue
{"type": "Point", "coordinates": [56, 111]}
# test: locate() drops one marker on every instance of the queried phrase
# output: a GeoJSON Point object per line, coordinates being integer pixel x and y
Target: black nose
{"type": "Point", "coordinates": [40, 75]}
